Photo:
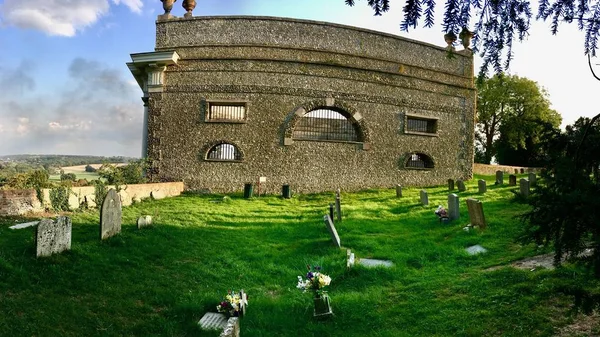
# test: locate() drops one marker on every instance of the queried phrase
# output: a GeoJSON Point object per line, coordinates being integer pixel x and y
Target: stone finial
{"type": "Point", "coordinates": [189, 6]}
{"type": "Point", "coordinates": [168, 5]}
{"type": "Point", "coordinates": [465, 37]}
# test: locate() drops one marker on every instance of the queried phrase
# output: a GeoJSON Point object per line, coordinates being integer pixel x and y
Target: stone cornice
{"type": "Point", "coordinates": [148, 69]}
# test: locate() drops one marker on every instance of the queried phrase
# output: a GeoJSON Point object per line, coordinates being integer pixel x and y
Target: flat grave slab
{"type": "Point", "coordinates": [213, 321]}
{"type": "Point", "coordinates": [24, 225]}
{"type": "Point", "coordinates": [372, 263]}
{"type": "Point", "coordinates": [474, 250]}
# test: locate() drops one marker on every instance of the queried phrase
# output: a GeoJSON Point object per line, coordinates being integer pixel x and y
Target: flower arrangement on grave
{"type": "Point", "coordinates": [315, 281]}
{"type": "Point", "coordinates": [441, 212]}
{"type": "Point", "coordinates": [231, 305]}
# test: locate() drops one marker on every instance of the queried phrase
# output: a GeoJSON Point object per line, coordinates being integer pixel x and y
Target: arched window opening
{"type": "Point", "coordinates": [224, 152]}
{"type": "Point", "coordinates": [419, 161]}
{"type": "Point", "coordinates": [324, 124]}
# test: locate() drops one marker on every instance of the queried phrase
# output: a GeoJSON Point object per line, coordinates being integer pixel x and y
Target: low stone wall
{"type": "Point", "coordinates": [18, 202]}
{"type": "Point", "coordinates": [491, 169]}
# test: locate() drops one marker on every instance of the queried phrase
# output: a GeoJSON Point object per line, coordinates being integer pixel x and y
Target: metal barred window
{"type": "Point", "coordinates": [325, 125]}
{"type": "Point", "coordinates": [419, 160]}
{"type": "Point", "coordinates": [224, 152]}
{"type": "Point", "coordinates": [226, 112]}
{"type": "Point", "coordinates": [423, 125]}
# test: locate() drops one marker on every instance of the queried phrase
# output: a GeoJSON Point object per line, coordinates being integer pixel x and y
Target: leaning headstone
{"type": "Point", "coordinates": [424, 198]}
{"type": "Point", "coordinates": [461, 186]}
{"type": "Point", "coordinates": [144, 221]}
{"type": "Point", "coordinates": [532, 179]}
{"type": "Point", "coordinates": [499, 177]}
{"type": "Point", "coordinates": [524, 187]}
{"type": "Point", "coordinates": [398, 191]}
{"type": "Point", "coordinates": [512, 180]}
{"type": "Point", "coordinates": [453, 207]}
{"type": "Point", "coordinates": [482, 186]}
{"type": "Point", "coordinates": [475, 208]}
{"type": "Point", "coordinates": [338, 205]}
{"type": "Point", "coordinates": [110, 215]}
{"type": "Point", "coordinates": [334, 235]}
{"type": "Point", "coordinates": [450, 184]}
{"type": "Point", "coordinates": [53, 237]}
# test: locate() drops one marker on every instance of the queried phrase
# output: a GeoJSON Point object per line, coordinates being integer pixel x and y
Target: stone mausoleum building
{"type": "Point", "coordinates": [315, 105]}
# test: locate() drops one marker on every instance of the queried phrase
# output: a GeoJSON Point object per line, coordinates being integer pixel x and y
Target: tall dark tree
{"type": "Point", "coordinates": [499, 22]}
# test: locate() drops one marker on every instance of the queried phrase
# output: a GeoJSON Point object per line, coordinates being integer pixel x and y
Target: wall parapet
{"type": "Point", "coordinates": [19, 202]}
{"type": "Point", "coordinates": [491, 169]}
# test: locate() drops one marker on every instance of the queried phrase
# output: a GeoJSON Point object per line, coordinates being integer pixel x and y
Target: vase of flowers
{"type": "Point", "coordinates": [233, 304]}
{"type": "Point", "coordinates": [316, 282]}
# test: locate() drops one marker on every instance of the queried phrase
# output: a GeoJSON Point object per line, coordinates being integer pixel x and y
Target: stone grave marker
{"type": "Point", "coordinates": [110, 215]}
{"type": "Point", "coordinates": [499, 177]}
{"type": "Point", "coordinates": [476, 249]}
{"type": "Point", "coordinates": [516, 171]}
{"type": "Point", "coordinates": [24, 225]}
{"type": "Point", "coordinates": [424, 198]}
{"type": "Point", "coordinates": [522, 171]}
{"type": "Point", "coordinates": [53, 237]}
{"type": "Point", "coordinates": [144, 221]}
{"type": "Point", "coordinates": [475, 208]}
{"type": "Point", "coordinates": [512, 180]}
{"type": "Point", "coordinates": [338, 205]}
{"type": "Point", "coordinates": [524, 187]}
{"type": "Point", "coordinates": [482, 186]}
{"type": "Point", "coordinates": [334, 235]}
{"type": "Point", "coordinates": [461, 185]}
{"type": "Point", "coordinates": [349, 259]}
{"type": "Point", "coordinates": [213, 321]}
{"type": "Point", "coordinates": [532, 179]}
{"type": "Point", "coordinates": [453, 207]}
{"type": "Point", "coordinates": [398, 191]}
{"type": "Point", "coordinates": [450, 185]}
{"type": "Point", "coordinates": [372, 263]}
{"type": "Point", "coordinates": [232, 329]}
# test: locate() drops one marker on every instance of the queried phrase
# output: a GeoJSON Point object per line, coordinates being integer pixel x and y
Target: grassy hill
{"type": "Point", "coordinates": [161, 280]}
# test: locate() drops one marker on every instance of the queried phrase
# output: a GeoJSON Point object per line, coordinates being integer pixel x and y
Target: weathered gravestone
{"type": "Point", "coordinates": [512, 180]}
{"type": "Point", "coordinates": [213, 321]}
{"type": "Point", "coordinates": [453, 207]}
{"type": "Point", "coordinates": [461, 186]}
{"type": "Point", "coordinates": [524, 187]}
{"type": "Point", "coordinates": [338, 205]}
{"type": "Point", "coordinates": [450, 185]}
{"type": "Point", "coordinates": [499, 177]}
{"type": "Point", "coordinates": [350, 258]}
{"type": "Point", "coordinates": [334, 235]}
{"type": "Point", "coordinates": [398, 191]}
{"type": "Point", "coordinates": [53, 237]}
{"type": "Point", "coordinates": [516, 171]}
{"type": "Point", "coordinates": [475, 208]}
{"type": "Point", "coordinates": [110, 215]}
{"type": "Point", "coordinates": [482, 186]}
{"type": "Point", "coordinates": [144, 221]}
{"type": "Point", "coordinates": [522, 171]}
{"type": "Point", "coordinates": [424, 198]}
{"type": "Point", "coordinates": [532, 179]}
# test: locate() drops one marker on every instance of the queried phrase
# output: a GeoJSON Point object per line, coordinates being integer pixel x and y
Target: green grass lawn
{"type": "Point", "coordinates": [161, 280]}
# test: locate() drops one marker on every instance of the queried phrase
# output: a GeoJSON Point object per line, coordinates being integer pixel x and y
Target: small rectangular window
{"type": "Point", "coordinates": [421, 125]}
{"type": "Point", "coordinates": [232, 112]}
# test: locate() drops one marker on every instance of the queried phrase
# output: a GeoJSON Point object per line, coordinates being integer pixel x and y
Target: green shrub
{"type": "Point", "coordinates": [59, 198]}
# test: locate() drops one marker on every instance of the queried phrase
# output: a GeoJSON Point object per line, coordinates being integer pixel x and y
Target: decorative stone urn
{"type": "Point", "coordinates": [189, 6]}
{"type": "Point", "coordinates": [450, 38]}
{"type": "Point", "coordinates": [465, 37]}
{"type": "Point", "coordinates": [322, 306]}
{"type": "Point", "coordinates": [168, 5]}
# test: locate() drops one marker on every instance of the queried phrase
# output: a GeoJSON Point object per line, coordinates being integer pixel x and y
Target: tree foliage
{"type": "Point", "coordinates": [513, 115]}
{"type": "Point", "coordinates": [499, 22]}
{"type": "Point", "coordinates": [566, 209]}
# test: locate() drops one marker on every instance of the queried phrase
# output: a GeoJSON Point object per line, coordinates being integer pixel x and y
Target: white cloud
{"type": "Point", "coordinates": [134, 5]}
{"type": "Point", "coordinates": [58, 17]}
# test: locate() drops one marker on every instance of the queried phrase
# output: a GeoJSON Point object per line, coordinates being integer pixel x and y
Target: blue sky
{"type": "Point", "coordinates": [65, 89]}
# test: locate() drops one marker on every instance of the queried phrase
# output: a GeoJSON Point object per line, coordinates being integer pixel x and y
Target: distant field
{"type": "Point", "coordinates": [80, 172]}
